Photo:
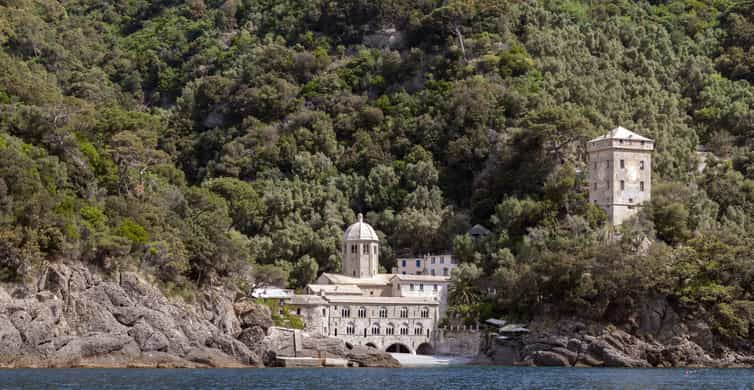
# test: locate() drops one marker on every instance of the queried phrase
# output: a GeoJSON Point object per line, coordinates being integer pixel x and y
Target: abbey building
{"type": "Point", "coordinates": [392, 312]}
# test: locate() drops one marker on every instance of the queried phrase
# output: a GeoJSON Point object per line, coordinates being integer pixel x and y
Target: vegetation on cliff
{"type": "Point", "coordinates": [213, 141]}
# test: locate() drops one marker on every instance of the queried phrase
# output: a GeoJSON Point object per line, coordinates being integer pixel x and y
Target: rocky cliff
{"type": "Point", "coordinates": [73, 317]}
{"type": "Point", "coordinates": [654, 336]}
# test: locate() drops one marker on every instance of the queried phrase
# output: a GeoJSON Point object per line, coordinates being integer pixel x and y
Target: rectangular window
{"type": "Point", "coordinates": [403, 263]}
{"type": "Point", "coordinates": [353, 248]}
{"type": "Point", "coordinates": [366, 249]}
{"type": "Point", "coordinates": [641, 165]}
{"type": "Point", "coordinates": [641, 186]}
{"type": "Point", "coordinates": [435, 289]}
{"type": "Point", "coordinates": [375, 249]}
{"type": "Point", "coordinates": [622, 164]}
{"type": "Point", "coordinates": [418, 263]}
{"type": "Point", "coordinates": [421, 287]}
{"type": "Point", "coordinates": [622, 185]}
{"type": "Point", "coordinates": [411, 286]}
{"type": "Point", "coordinates": [608, 163]}
{"type": "Point", "coordinates": [442, 260]}
{"type": "Point", "coordinates": [445, 272]}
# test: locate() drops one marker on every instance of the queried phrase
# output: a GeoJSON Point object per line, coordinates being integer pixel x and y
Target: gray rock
{"type": "Point", "coordinates": [549, 359]}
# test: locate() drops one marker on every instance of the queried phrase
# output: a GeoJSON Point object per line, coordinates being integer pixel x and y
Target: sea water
{"type": "Point", "coordinates": [461, 377]}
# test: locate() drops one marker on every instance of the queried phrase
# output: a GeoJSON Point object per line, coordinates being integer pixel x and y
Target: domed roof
{"type": "Point", "coordinates": [360, 231]}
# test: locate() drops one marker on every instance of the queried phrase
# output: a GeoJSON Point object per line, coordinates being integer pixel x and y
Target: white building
{"type": "Point", "coordinates": [433, 265]}
{"type": "Point", "coordinates": [391, 312]}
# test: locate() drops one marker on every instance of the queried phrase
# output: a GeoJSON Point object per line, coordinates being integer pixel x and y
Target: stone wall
{"type": "Point", "coordinates": [460, 342]}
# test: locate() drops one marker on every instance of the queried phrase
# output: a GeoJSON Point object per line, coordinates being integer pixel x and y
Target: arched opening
{"type": "Point", "coordinates": [400, 348]}
{"type": "Point", "coordinates": [371, 345]}
{"type": "Point", "coordinates": [425, 349]}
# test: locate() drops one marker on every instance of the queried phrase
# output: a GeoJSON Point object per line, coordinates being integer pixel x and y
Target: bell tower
{"type": "Point", "coordinates": [360, 250]}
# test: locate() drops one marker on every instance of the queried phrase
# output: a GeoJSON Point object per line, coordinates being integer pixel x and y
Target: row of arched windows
{"type": "Point", "coordinates": [382, 312]}
{"type": "Point", "coordinates": [388, 331]}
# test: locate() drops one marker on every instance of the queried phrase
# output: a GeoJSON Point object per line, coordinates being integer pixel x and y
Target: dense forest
{"type": "Point", "coordinates": [231, 142]}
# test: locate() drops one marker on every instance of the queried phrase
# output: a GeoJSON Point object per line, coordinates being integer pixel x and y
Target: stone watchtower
{"type": "Point", "coordinates": [620, 173]}
{"type": "Point", "coordinates": [360, 250]}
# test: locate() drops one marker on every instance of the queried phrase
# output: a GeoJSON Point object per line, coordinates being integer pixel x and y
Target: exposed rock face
{"type": "Point", "coordinates": [654, 336]}
{"type": "Point", "coordinates": [75, 318]}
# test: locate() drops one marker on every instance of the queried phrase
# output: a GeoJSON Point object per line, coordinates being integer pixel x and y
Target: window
{"type": "Point", "coordinates": [442, 260]}
{"type": "Point", "coordinates": [432, 272]}
{"type": "Point", "coordinates": [435, 288]}
{"type": "Point", "coordinates": [425, 312]}
{"type": "Point", "coordinates": [433, 260]}
{"type": "Point", "coordinates": [411, 286]}
{"type": "Point", "coordinates": [324, 312]}
{"type": "Point", "coordinates": [421, 286]}
{"type": "Point", "coordinates": [620, 141]}
{"type": "Point", "coordinates": [641, 164]}
{"type": "Point", "coordinates": [445, 271]}
{"type": "Point", "coordinates": [641, 186]}
{"type": "Point", "coordinates": [608, 184]}
{"type": "Point", "coordinates": [418, 263]}
{"type": "Point", "coordinates": [608, 163]}
{"type": "Point", "coordinates": [298, 311]}
{"type": "Point", "coordinates": [622, 164]}
{"type": "Point", "coordinates": [642, 143]}
{"type": "Point", "coordinates": [383, 312]}
{"type": "Point", "coordinates": [362, 312]}
{"type": "Point", "coordinates": [336, 331]}
{"type": "Point", "coordinates": [366, 249]}
{"type": "Point", "coordinates": [404, 330]}
{"type": "Point", "coordinates": [345, 312]}
{"type": "Point", "coordinates": [404, 312]}
{"type": "Point", "coordinates": [403, 263]}
{"type": "Point", "coordinates": [375, 249]}
{"type": "Point", "coordinates": [349, 328]}
{"type": "Point", "coordinates": [390, 330]}
{"type": "Point", "coordinates": [622, 185]}
{"type": "Point", "coordinates": [630, 200]}
{"type": "Point", "coordinates": [418, 330]}
{"type": "Point", "coordinates": [376, 329]}
{"type": "Point", "coordinates": [353, 248]}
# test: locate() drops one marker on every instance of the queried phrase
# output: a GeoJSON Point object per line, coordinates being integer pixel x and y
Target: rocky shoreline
{"type": "Point", "coordinates": [73, 317]}
{"type": "Point", "coordinates": [655, 336]}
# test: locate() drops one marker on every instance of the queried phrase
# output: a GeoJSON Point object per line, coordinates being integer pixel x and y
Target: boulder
{"type": "Point", "coordinates": [252, 314]}
{"type": "Point", "coordinates": [549, 359]}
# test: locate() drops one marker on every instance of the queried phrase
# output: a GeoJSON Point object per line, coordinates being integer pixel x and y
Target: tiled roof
{"type": "Point", "coordinates": [335, 289]}
{"type": "Point", "coordinates": [621, 133]}
{"type": "Point", "coordinates": [376, 280]}
{"type": "Point", "coordinates": [381, 300]}
{"type": "Point", "coordinates": [421, 278]}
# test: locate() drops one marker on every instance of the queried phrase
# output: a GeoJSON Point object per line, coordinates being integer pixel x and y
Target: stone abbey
{"type": "Point", "coordinates": [620, 173]}
{"type": "Point", "coordinates": [392, 312]}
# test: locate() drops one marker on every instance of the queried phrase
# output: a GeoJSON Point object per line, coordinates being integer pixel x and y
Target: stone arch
{"type": "Point", "coordinates": [425, 349]}
{"type": "Point", "coordinates": [398, 347]}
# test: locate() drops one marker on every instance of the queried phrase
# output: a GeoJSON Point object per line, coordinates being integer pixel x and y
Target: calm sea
{"type": "Point", "coordinates": [469, 378]}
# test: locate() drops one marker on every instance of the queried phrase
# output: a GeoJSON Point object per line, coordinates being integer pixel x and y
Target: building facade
{"type": "Point", "coordinates": [620, 173]}
{"type": "Point", "coordinates": [391, 312]}
{"type": "Point", "coordinates": [429, 264]}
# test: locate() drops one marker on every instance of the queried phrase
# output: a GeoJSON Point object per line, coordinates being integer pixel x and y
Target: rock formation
{"type": "Point", "coordinates": [72, 317]}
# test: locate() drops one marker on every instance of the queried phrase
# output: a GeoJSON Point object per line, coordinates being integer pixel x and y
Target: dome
{"type": "Point", "coordinates": [360, 231]}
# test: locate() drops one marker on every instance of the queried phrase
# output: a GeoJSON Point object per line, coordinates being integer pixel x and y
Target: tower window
{"type": "Point", "coordinates": [362, 312]}
{"type": "Point", "coordinates": [641, 186]}
{"type": "Point", "coordinates": [425, 312]}
{"type": "Point", "coordinates": [622, 185]}
{"type": "Point", "coordinates": [641, 164]}
{"type": "Point", "coordinates": [622, 164]}
{"type": "Point", "coordinates": [345, 312]}
{"type": "Point", "coordinates": [404, 312]}
{"type": "Point", "coordinates": [366, 249]}
{"type": "Point", "coordinates": [353, 248]}
{"type": "Point", "coordinates": [375, 249]}
{"type": "Point", "coordinates": [383, 312]}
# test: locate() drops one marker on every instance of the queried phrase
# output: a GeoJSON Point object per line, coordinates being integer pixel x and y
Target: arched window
{"type": "Point", "coordinates": [383, 312]}
{"type": "Point", "coordinates": [390, 330]}
{"type": "Point", "coordinates": [349, 328]}
{"type": "Point", "coordinates": [419, 329]}
{"type": "Point", "coordinates": [404, 312]}
{"type": "Point", "coordinates": [404, 329]}
{"type": "Point", "coordinates": [375, 329]}
{"type": "Point", "coordinates": [425, 312]}
{"type": "Point", "coordinates": [353, 248]}
{"type": "Point", "coordinates": [365, 249]}
{"type": "Point", "coordinates": [345, 312]}
{"type": "Point", "coordinates": [362, 312]}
